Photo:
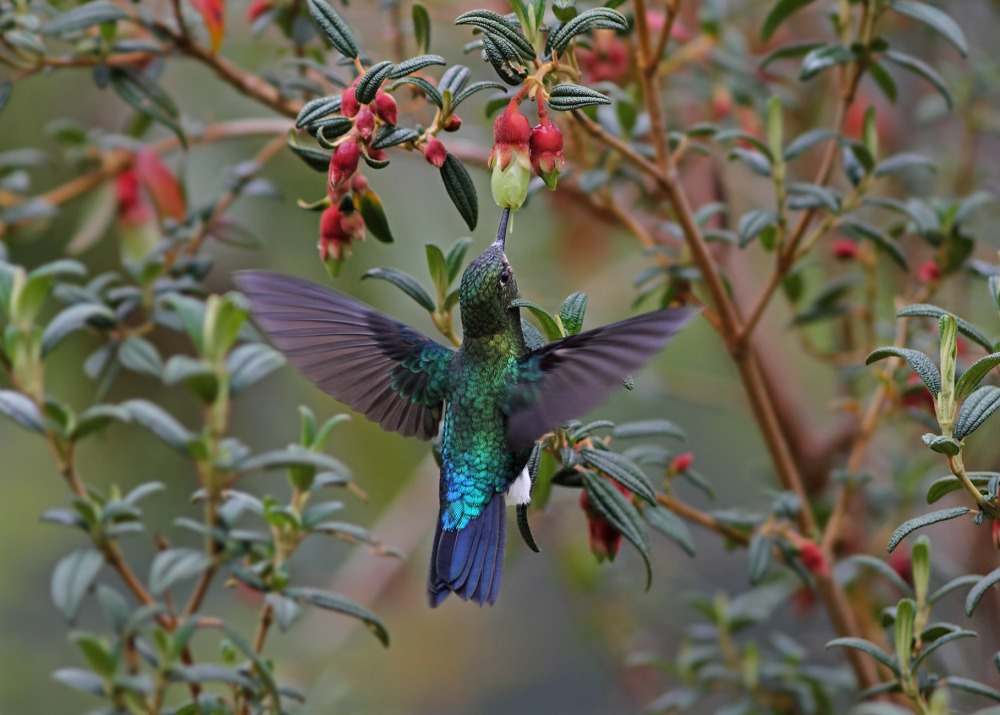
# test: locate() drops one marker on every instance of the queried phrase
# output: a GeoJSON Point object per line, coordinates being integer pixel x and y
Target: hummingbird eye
{"type": "Point", "coordinates": [504, 277]}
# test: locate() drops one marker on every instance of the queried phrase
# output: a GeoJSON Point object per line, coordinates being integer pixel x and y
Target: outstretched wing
{"type": "Point", "coordinates": [392, 374]}
{"type": "Point", "coordinates": [569, 377]}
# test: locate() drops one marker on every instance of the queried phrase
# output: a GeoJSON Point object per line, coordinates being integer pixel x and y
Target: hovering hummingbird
{"type": "Point", "coordinates": [496, 396]}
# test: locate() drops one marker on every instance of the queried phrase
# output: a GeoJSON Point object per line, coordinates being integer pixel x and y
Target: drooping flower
{"type": "Point", "coordinates": [605, 539]}
{"type": "Point", "coordinates": [510, 157]}
{"type": "Point", "coordinates": [546, 152]}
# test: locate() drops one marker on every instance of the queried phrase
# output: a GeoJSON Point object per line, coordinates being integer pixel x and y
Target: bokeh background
{"type": "Point", "coordinates": [559, 639]}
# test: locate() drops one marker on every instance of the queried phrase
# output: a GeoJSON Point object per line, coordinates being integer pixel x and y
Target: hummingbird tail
{"type": "Point", "coordinates": [469, 561]}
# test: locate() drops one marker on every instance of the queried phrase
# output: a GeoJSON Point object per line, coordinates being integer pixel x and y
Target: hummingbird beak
{"type": "Point", "coordinates": [502, 229]}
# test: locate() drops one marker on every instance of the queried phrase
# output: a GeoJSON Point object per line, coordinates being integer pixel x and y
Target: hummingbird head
{"type": "Point", "coordinates": [488, 287]}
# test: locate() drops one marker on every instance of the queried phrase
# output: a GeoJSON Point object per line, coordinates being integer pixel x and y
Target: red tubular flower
{"type": "Point", "coordinates": [435, 153]}
{"type": "Point", "coordinates": [364, 123]}
{"type": "Point", "coordinates": [546, 153]}
{"type": "Point", "coordinates": [343, 164]}
{"type": "Point", "coordinates": [349, 104]}
{"type": "Point", "coordinates": [509, 159]}
{"type": "Point", "coordinates": [385, 108]}
{"type": "Point", "coordinates": [844, 249]}
{"type": "Point", "coordinates": [133, 208]}
{"type": "Point", "coordinates": [339, 226]}
{"type": "Point", "coordinates": [605, 539]}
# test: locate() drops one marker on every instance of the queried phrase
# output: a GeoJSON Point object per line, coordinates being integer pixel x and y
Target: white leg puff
{"type": "Point", "coordinates": [519, 492]}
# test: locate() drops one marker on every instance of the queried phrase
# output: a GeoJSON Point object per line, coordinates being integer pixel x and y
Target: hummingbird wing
{"type": "Point", "coordinates": [389, 372]}
{"type": "Point", "coordinates": [569, 377]}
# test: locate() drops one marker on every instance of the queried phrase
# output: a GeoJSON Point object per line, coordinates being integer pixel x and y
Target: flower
{"type": "Point", "coordinates": [509, 159]}
{"type": "Point", "coordinates": [385, 108]}
{"type": "Point", "coordinates": [343, 164]}
{"type": "Point", "coordinates": [435, 153]}
{"type": "Point", "coordinates": [928, 272]}
{"type": "Point", "coordinates": [339, 225]}
{"type": "Point", "coordinates": [605, 539]}
{"type": "Point", "coordinates": [545, 151]}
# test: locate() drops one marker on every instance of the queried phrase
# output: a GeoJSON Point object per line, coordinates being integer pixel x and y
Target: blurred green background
{"type": "Point", "coordinates": [557, 640]}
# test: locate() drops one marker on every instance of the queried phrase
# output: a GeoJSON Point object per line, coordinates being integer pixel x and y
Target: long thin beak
{"type": "Point", "coordinates": [502, 228]}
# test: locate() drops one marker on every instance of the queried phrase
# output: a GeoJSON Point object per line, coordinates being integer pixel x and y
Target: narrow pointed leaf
{"type": "Point", "coordinates": [866, 647]}
{"type": "Point", "coordinates": [621, 513]}
{"type": "Point", "coordinates": [406, 283]}
{"type": "Point", "coordinates": [22, 410]}
{"type": "Point", "coordinates": [907, 527]}
{"type": "Point", "coordinates": [341, 604]}
{"type": "Point", "coordinates": [936, 19]}
{"type": "Point", "coordinates": [975, 410]}
{"type": "Point", "coordinates": [333, 28]}
{"type": "Point", "coordinates": [979, 590]}
{"type": "Point", "coordinates": [965, 327]}
{"type": "Point", "coordinates": [175, 565]}
{"type": "Point", "coordinates": [671, 526]}
{"type": "Point", "coordinates": [461, 190]}
{"type": "Point", "coordinates": [72, 578]}
{"type": "Point", "coordinates": [919, 362]}
{"type": "Point", "coordinates": [780, 11]}
{"type": "Point", "coordinates": [621, 469]}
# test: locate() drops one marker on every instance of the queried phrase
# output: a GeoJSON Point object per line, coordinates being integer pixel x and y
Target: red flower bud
{"type": "Point", "coordinates": [929, 271]}
{"type": "Point", "coordinates": [901, 562]}
{"type": "Point", "coordinates": [811, 555]}
{"type": "Point", "coordinates": [377, 154]}
{"type": "Point", "coordinates": [435, 153]}
{"type": "Point", "coordinates": [454, 122]}
{"type": "Point", "coordinates": [349, 105]}
{"type": "Point", "coordinates": [133, 207]}
{"type": "Point", "coordinates": [359, 182]}
{"type": "Point", "coordinates": [682, 463]}
{"type": "Point", "coordinates": [256, 9]}
{"type": "Point", "coordinates": [364, 123]}
{"type": "Point", "coordinates": [385, 108]}
{"type": "Point", "coordinates": [343, 164]}
{"type": "Point", "coordinates": [844, 249]}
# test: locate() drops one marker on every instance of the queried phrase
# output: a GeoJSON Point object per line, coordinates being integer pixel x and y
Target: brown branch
{"type": "Point", "coordinates": [699, 517]}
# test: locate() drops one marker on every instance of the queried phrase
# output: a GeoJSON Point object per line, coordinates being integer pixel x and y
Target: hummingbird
{"type": "Point", "coordinates": [494, 395]}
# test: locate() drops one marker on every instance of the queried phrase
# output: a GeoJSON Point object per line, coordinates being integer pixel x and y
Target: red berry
{"type": "Point", "coordinates": [435, 153]}
{"type": "Point", "coordinates": [349, 105]}
{"type": "Point", "coordinates": [385, 108]}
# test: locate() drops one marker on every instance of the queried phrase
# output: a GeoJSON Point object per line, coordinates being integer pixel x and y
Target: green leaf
{"type": "Point", "coordinates": [333, 28]}
{"type": "Point", "coordinates": [314, 158]}
{"type": "Point", "coordinates": [96, 418]}
{"type": "Point", "coordinates": [759, 557]}
{"type": "Point", "coordinates": [812, 196]}
{"type": "Point", "coordinates": [340, 604]}
{"type": "Point", "coordinates": [294, 456]}
{"type": "Point", "coordinates": [884, 80]}
{"type": "Point", "coordinates": [147, 98]}
{"type": "Point", "coordinates": [84, 16]}
{"type": "Point", "coordinates": [979, 590]}
{"type": "Point", "coordinates": [806, 141]}
{"type": "Point", "coordinates": [975, 374]}
{"type": "Point", "coordinates": [866, 647]}
{"type": "Point", "coordinates": [209, 673]}
{"type": "Point", "coordinates": [421, 26]}
{"type": "Point", "coordinates": [823, 58]}
{"type": "Point", "coordinates": [879, 239]}
{"type": "Point", "coordinates": [976, 408]}
{"type": "Point", "coordinates": [390, 136]}
{"type": "Point", "coordinates": [496, 28]}
{"type": "Point", "coordinates": [22, 410]}
{"type": "Point", "coordinates": [198, 375]}
{"type": "Point", "coordinates": [905, 160]}
{"type": "Point", "coordinates": [937, 643]}
{"type": "Point", "coordinates": [671, 526]}
{"type": "Point", "coordinates": [548, 324]}
{"type": "Point", "coordinates": [250, 363]}
{"type": "Point", "coordinates": [317, 109]}
{"type": "Point", "coordinates": [920, 556]}
{"type": "Point", "coordinates": [6, 90]}
{"type": "Point", "coordinates": [622, 470]}
{"type": "Point", "coordinates": [72, 578]}
{"type": "Point", "coordinates": [884, 570]}
{"type": "Point", "coordinates": [947, 446]}
{"type": "Point", "coordinates": [753, 223]}
{"type": "Point", "coordinates": [905, 613]}
{"type": "Point", "coordinates": [621, 513]}
{"type": "Point", "coordinates": [95, 653]}
{"type": "Point", "coordinates": [919, 362]}
{"type": "Point", "coordinates": [953, 585]}
{"type": "Point", "coordinates": [429, 90]}
{"type": "Point", "coordinates": [572, 311]}
{"type": "Point", "coordinates": [648, 428]}
{"type": "Point", "coordinates": [368, 84]}
{"type": "Point", "coordinates": [919, 67]}
{"type": "Point", "coordinates": [461, 190]}
{"type": "Point", "coordinates": [971, 686]}
{"type": "Point", "coordinates": [438, 269]}
{"type": "Point", "coordinates": [406, 283]}
{"type": "Point", "coordinates": [951, 483]}
{"type": "Point", "coordinates": [472, 89]}
{"type": "Point", "coordinates": [73, 318]}
{"type": "Point", "coordinates": [159, 422]}
{"type": "Point", "coordinates": [904, 529]}
{"type": "Point", "coordinates": [567, 97]}
{"type": "Point", "coordinates": [790, 51]}
{"type": "Point", "coordinates": [456, 257]}
{"type": "Point", "coordinates": [934, 18]}
{"type": "Point", "coordinates": [932, 311]}
{"type": "Point", "coordinates": [376, 221]}
{"type": "Point", "coordinates": [175, 565]}
{"type": "Point", "coordinates": [414, 64]}
{"type": "Point", "coordinates": [139, 355]}
{"type": "Point", "coordinates": [598, 17]}
{"type": "Point", "coordinates": [780, 11]}
{"type": "Point", "coordinates": [82, 680]}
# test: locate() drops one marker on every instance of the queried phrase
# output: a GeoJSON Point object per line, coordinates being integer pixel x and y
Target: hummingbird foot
{"type": "Point", "coordinates": [519, 491]}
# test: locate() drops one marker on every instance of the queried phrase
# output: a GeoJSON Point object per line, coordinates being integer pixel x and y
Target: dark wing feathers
{"type": "Point", "coordinates": [392, 374]}
{"type": "Point", "coordinates": [569, 377]}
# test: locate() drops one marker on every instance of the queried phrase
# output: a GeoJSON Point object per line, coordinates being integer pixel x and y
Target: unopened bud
{"type": "Point", "coordinates": [364, 123]}
{"type": "Point", "coordinates": [435, 153]}
{"type": "Point", "coordinates": [385, 108]}
{"type": "Point", "coordinates": [349, 105]}
{"type": "Point", "coordinates": [453, 123]}
{"type": "Point", "coordinates": [343, 164]}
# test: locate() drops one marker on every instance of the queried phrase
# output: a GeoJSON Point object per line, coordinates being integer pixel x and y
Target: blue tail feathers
{"type": "Point", "coordinates": [469, 561]}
